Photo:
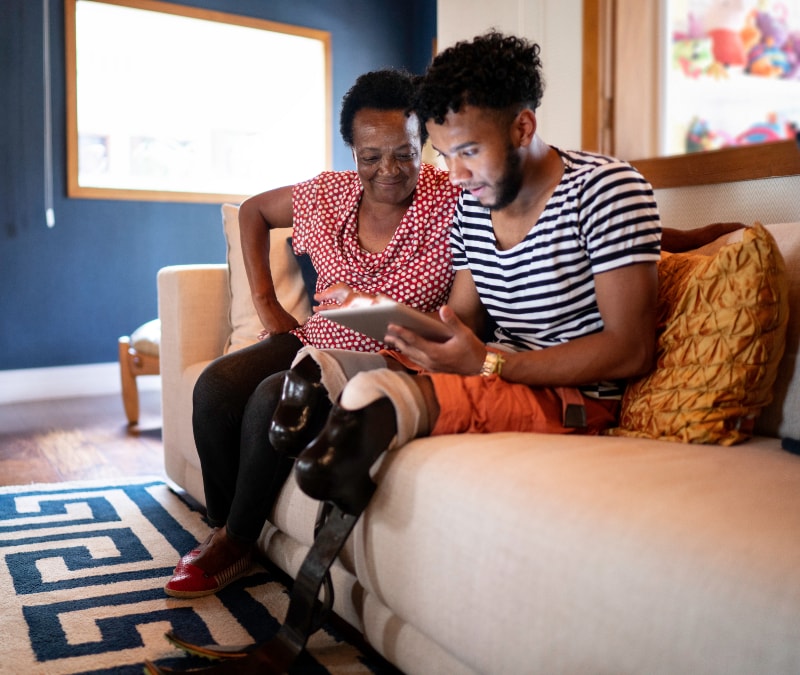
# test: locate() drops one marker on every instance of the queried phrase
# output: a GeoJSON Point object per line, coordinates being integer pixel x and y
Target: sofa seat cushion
{"type": "Point", "coordinates": [147, 338]}
{"type": "Point", "coordinates": [624, 554]}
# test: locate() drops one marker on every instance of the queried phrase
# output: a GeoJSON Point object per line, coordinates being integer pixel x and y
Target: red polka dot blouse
{"type": "Point", "coordinates": [415, 268]}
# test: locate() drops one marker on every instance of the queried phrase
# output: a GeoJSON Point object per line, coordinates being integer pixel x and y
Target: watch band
{"type": "Point", "coordinates": [492, 364]}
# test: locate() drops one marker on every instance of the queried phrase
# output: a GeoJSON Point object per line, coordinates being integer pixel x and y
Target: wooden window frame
{"type": "Point", "coordinates": [76, 189]}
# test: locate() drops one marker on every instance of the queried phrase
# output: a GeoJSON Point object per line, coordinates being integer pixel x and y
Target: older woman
{"type": "Point", "coordinates": [379, 229]}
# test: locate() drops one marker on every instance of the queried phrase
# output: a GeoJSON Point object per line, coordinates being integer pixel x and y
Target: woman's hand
{"type": "Point", "coordinates": [462, 354]}
{"type": "Point", "coordinates": [341, 295]}
{"type": "Point", "coordinates": [274, 318]}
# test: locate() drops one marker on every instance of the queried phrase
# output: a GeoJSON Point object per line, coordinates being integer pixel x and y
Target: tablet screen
{"type": "Point", "coordinates": [373, 320]}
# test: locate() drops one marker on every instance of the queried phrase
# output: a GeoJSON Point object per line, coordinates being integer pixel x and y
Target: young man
{"type": "Point", "coordinates": [557, 248]}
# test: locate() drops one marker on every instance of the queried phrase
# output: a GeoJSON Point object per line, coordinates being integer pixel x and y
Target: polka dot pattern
{"type": "Point", "coordinates": [415, 268]}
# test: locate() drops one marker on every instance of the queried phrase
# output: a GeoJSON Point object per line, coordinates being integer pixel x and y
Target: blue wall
{"type": "Point", "coordinates": [69, 292]}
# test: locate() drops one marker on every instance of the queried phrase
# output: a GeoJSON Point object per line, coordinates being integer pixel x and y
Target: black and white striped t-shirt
{"type": "Point", "coordinates": [540, 293]}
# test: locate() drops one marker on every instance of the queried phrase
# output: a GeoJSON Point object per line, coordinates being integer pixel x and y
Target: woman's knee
{"type": "Point", "coordinates": [215, 386]}
{"type": "Point", "coordinates": [226, 385]}
{"type": "Point", "coordinates": [266, 396]}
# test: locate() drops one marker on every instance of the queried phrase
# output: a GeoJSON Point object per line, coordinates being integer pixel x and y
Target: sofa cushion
{"type": "Point", "coordinates": [289, 286]}
{"type": "Point", "coordinates": [722, 322]}
{"type": "Point", "coordinates": [780, 418]}
{"type": "Point", "coordinates": [146, 339]}
{"type": "Point", "coordinates": [541, 553]}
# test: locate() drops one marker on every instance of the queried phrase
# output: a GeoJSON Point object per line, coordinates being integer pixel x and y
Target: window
{"type": "Point", "coordinates": [173, 103]}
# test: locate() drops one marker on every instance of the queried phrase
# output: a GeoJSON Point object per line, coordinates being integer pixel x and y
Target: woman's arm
{"type": "Point", "coordinates": [257, 216]}
{"type": "Point", "coordinates": [463, 299]}
{"type": "Point", "coordinates": [677, 241]}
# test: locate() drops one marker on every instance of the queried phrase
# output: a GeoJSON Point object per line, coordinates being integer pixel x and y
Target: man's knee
{"type": "Point", "coordinates": [368, 386]}
{"type": "Point", "coordinates": [401, 389]}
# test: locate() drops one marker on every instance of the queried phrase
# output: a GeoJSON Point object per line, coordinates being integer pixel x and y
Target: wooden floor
{"type": "Point", "coordinates": [79, 439]}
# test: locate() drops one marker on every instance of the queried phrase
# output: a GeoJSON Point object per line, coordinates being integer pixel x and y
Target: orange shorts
{"type": "Point", "coordinates": [483, 405]}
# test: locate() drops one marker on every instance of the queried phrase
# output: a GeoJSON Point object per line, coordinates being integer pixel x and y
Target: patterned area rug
{"type": "Point", "coordinates": [82, 570]}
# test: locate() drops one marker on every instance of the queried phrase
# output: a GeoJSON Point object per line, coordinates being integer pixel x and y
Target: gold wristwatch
{"type": "Point", "coordinates": [492, 364]}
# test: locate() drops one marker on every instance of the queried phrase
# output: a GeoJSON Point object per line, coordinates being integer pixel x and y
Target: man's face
{"type": "Point", "coordinates": [477, 148]}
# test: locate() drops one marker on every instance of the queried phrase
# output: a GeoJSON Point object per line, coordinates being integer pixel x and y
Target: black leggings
{"type": "Point", "coordinates": [234, 400]}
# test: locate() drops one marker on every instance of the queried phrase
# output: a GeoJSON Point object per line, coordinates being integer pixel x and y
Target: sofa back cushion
{"type": "Point", "coordinates": [286, 274]}
{"type": "Point", "coordinates": [781, 417]}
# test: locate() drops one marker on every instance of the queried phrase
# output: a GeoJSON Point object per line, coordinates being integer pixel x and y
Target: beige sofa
{"type": "Point", "coordinates": [523, 553]}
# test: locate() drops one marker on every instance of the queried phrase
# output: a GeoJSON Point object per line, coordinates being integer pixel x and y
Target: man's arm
{"type": "Point", "coordinates": [626, 298]}
{"type": "Point", "coordinates": [624, 348]}
{"type": "Point", "coordinates": [465, 302]}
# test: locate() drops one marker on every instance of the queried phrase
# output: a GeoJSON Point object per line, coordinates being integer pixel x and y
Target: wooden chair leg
{"type": "Point", "coordinates": [130, 392]}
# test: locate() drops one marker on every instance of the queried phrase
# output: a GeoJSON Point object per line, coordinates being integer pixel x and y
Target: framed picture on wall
{"type": "Point", "coordinates": [731, 73]}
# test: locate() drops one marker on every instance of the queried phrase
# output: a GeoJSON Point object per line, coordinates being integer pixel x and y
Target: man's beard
{"type": "Point", "coordinates": [510, 183]}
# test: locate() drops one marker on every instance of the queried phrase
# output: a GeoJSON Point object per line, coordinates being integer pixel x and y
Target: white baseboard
{"type": "Point", "coordinates": [96, 379]}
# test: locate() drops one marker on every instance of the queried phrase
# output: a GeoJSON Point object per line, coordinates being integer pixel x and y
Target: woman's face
{"type": "Point", "coordinates": [387, 151]}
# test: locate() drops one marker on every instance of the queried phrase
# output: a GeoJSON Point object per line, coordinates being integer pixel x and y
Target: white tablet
{"type": "Point", "coordinates": [373, 320]}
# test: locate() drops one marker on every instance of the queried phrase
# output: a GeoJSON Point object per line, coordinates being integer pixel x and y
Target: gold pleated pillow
{"type": "Point", "coordinates": [721, 327]}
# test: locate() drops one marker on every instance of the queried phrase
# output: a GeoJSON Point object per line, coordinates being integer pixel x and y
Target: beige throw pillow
{"type": "Point", "coordinates": [289, 287]}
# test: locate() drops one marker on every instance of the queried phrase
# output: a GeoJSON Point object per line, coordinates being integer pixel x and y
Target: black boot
{"type": "Point", "coordinates": [302, 410]}
{"type": "Point", "coordinates": [335, 466]}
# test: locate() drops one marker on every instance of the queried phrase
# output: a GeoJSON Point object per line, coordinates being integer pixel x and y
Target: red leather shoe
{"type": "Point", "coordinates": [196, 551]}
{"type": "Point", "coordinates": [189, 581]}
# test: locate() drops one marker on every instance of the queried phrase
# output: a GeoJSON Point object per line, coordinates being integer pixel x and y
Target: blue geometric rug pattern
{"type": "Point", "coordinates": [82, 570]}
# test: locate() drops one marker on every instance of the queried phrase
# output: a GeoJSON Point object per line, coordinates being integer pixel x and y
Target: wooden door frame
{"type": "Point", "coordinates": [595, 113]}
{"type": "Point", "coordinates": [620, 77]}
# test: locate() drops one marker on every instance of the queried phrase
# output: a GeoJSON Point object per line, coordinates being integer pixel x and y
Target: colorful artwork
{"type": "Point", "coordinates": [693, 56]}
{"type": "Point", "coordinates": [715, 36]}
{"type": "Point", "coordinates": [701, 136]}
{"type": "Point", "coordinates": [723, 54]}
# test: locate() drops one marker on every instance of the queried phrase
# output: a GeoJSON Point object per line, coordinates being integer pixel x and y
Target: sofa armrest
{"type": "Point", "coordinates": [194, 306]}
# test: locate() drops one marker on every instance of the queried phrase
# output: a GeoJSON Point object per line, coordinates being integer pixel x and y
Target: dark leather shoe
{"type": "Point", "coordinates": [300, 413]}
{"type": "Point", "coordinates": [335, 466]}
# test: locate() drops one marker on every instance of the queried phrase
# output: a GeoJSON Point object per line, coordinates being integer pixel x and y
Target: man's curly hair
{"type": "Point", "coordinates": [492, 71]}
{"type": "Point", "coordinates": [388, 89]}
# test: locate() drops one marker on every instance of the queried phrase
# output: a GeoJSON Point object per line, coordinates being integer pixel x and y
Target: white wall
{"type": "Point", "coordinates": [94, 379]}
{"type": "Point", "coordinates": [557, 25]}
